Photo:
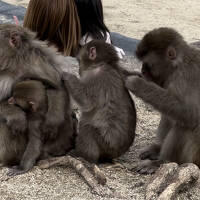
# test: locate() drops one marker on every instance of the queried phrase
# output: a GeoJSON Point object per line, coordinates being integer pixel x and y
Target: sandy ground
{"type": "Point", "coordinates": [132, 18]}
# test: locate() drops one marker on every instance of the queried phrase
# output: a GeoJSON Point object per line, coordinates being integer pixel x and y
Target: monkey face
{"type": "Point", "coordinates": [96, 52]}
{"type": "Point", "coordinates": [156, 68]}
{"type": "Point", "coordinates": [23, 103]}
{"type": "Point", "coordinates": [13, 38]}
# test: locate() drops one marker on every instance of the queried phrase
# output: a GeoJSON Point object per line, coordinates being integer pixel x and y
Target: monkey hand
{"type": "Point", "coordinates": [133, 83]}
{"type": "Point", "coordinates": [17, 125]}
{"type": "Point", "coordinates": [16, 170]}
{"type": "Point", "coordinates": [70, 80]}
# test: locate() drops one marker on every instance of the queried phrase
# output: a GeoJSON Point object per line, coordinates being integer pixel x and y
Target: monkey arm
{"type": "Point", "coordinates": [129, 73]}
{"type": "Point", "coordinates": [77, 91]}
{"type": "Point", "coordinates": [33, 149]}
{"type": "Point", "coordinates": [55, 115]}
{"type": "Point", "coordinates": [6, 83]}
{"type": "Point", "coordinates": [164, 101]}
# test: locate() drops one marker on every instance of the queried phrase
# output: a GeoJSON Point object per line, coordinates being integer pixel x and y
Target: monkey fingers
{"type": "Point", "coordinates": [132, 82]}
{"type": "Point", "coordinates": [16, 170]}
{"type": "Point", "coordinates": [147, 166]}
{"type": "Point", "coordinates": [151, 152]}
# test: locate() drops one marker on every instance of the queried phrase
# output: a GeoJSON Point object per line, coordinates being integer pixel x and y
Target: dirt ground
{"type": "Point", "coordinates": [132, 18]}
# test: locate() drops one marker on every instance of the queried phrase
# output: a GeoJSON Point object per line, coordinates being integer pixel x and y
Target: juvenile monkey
{"type": "Point", "coordinates": [108, 115]}
{"type": "Point", "coordinates": [171, 84]}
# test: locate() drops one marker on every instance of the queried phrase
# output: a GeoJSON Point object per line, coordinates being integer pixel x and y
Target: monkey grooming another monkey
{"type": "Point", "coordinates": [171, 84]}
{"type": "Point", "coordinates": [108, 115]}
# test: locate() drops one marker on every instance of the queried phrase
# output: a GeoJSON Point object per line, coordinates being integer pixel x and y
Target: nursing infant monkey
{"type": "Point", "coordinates": [25, 59]}
{"type": "Point", "coordinates": [108, 116]}
{"type": "Point", "coordinates": [171, 84]}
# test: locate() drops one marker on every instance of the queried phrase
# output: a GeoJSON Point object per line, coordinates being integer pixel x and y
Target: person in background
{"type": "Point", "coordinates": [92, 23]}
{"type": "Point", "coordinates": [56, 21]}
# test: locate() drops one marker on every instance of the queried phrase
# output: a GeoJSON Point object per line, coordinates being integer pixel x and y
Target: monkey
{"type": "Point", "coordinates": [24, 57]}
{"type": "Point", "coordinates": [108, 116]}
{"type": "Point", "coordinates": [13, 125]}
{"type": "Point", "coordinates": [31, 97]}
{"type": "Point", "coordinates": [170, 83]}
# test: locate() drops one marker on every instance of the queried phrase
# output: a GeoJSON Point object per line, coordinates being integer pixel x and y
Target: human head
{"type": "Point", "coordinates": [91, 18]}
{"type": "Point", "coordinates": [56, 21]}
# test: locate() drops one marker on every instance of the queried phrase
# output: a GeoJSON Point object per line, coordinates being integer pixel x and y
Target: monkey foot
{"type": "Point", "coordinates": [16, 170]}
{"type": "Point", "coordinates": [170, 179]}
{"type": "Point", "coordinates": [151, 152]}
{"type": "Point", "coordinates": [147, 167]}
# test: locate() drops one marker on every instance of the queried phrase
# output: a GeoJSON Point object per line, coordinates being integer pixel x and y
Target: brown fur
{"type": "Point", "coordinates": [171, 71]}
{"type": "Point", "coordinates": [108, 115]}
{"type": "Point", "coordinates": [31, 96]}
{"type": "Point", "coordinates": [23, 57]}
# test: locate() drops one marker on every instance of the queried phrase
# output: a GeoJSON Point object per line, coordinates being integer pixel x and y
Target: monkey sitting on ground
{"type": "Point", "coordinates": [23, 57]}
{"type": "Point", "coordinates": [31, 97]}
{"type": "Point", "coordinates": [171, 84]}
{"type": "Point", "coordinates": [108, 116]}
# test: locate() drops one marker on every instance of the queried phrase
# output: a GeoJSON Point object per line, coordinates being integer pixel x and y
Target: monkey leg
{"type": "Point", "coordinates": [86, 145]}
{"type": "Point", "coordinates": [63, 143]}
{"type": "Point", "coordinates": [148, 166]}
{"type": "Point", "coordinates": [12, 146]}
{"type": "Point", "coordinates": [29, 158]}
{"type": "Point", "coordinates": [153, 151]}
{"type": "Point", "coordinates": [33, 149]}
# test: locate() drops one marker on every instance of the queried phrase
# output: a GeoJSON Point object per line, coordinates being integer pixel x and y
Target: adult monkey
{"type": "Point", "coordinates": [23, 57]}
{"type": "Point", "coordinates": [171, 70]}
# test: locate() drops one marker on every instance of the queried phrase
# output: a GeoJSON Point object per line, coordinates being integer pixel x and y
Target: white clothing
{"type": "Point", "coordinates": [87, 38]}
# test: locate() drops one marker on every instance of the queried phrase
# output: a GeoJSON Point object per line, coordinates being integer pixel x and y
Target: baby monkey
{"type": "Point", "coordinates": [33, 98]}
{"type": "Point", "coordinates": [108, 115]}
{"type": "Point", "coordinates": [30, 96]}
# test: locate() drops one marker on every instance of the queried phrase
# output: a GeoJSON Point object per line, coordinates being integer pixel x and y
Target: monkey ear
{"type": "Point", "coordinates": [171, 53]}
{"type": "Point", "coordinates": [92, 53]}
{"type": "Point", "coordinates": [15, 40]}
{"type": "Point", "coordinates": [11, 100]}
{"type": "Point", "coordinates": [33, 106]}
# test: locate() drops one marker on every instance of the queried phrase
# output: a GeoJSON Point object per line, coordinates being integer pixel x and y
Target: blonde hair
{"type": "Point", "coordinates": [56, 21]}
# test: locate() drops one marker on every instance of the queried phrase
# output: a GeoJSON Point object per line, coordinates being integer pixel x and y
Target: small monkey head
{"type": "Point", "coordinates": [23, 103]}
{"type": "Point", "coordinates": [160, 51]}
{"type": "Point", "coordinates": [96, 52]}
{"type": "Point", "coordinates": [30, 95]}
{"type": "Point", "coordinates": [14, 39]}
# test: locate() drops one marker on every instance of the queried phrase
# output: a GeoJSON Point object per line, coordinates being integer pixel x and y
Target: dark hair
{"type": "Point", "coordinates": [91, 18]}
